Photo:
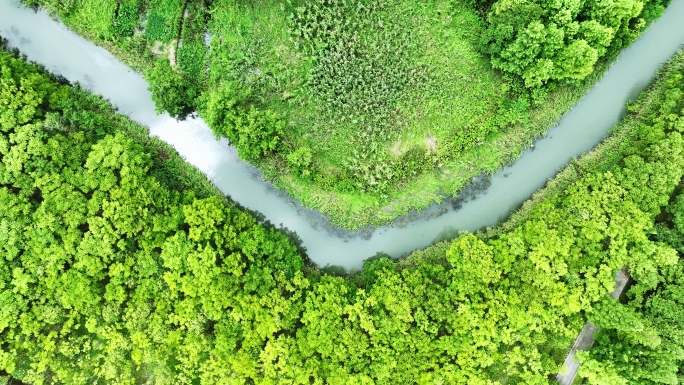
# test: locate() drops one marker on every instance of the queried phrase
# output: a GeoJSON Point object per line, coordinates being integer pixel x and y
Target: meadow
{"type": "Point", "coordinates": [366, 110]}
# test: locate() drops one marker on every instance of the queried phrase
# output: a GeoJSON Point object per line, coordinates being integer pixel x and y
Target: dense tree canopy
{"type": "Point", "coordinates": [113, 272]}
{"type": "Point", "coordinates": [642, 341]}
{"type": "Point", "coordinates": [560, 41]}
{"type": "Point", "coordinates": [108, 273]}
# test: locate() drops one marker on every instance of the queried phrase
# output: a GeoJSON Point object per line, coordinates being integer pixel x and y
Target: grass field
{"type": "Point", "coordinates": [386, 106]}
{"type": "Point", "coordinates": [601, 158]}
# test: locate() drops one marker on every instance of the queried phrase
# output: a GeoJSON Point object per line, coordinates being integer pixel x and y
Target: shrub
{"type": "Point", "coordinates": [255, 132]}
{"type": "Point", "coordinates": [125, 20]}
{"type": "Point", "coordinates": [300, 161]}
{"type": "Point", "coordinates": [190, 58]}
{"type": "Point", "coordinates": [171, 91]}
{"type": "Point", "coordinates": [158, 27]}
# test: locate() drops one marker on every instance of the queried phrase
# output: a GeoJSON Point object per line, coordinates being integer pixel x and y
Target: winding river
{"type": "Point", "coordinates": [48, 42]}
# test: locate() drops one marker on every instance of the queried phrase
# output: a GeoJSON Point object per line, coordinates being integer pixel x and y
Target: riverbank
{"type": "Point", "coordinates": [62, 52]}
{"type": "Point", "coordinates": [316, 182]}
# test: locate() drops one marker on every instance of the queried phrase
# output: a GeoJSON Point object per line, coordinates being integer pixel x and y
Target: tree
{"type": "Point", "coordinates": [171, 91]}
{"type": "Point", "coordinates": [545, 42]}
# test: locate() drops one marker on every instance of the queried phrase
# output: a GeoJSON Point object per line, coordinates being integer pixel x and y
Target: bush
{"type": "Point", "coordinates": [229, 113]}
{"type": "Point", "coordinates": [190, 56]}
{"type": "Point", "coordinates": [125, 20]}
{"type": "Point", "coordinates": [300, 161]}
{"type": "Point", "coordinates": [255, 132]}
{"type": "Point", "coordinates": [171, 91]}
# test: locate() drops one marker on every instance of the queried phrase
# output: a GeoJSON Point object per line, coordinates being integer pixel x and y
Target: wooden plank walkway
{"type": "Point", "coordinates": [586, 337]}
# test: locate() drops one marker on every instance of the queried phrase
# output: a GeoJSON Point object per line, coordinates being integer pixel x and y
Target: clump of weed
{"type": "Point", "coordinates": [363, 60]}
{"type": "Point", "coordinates": [191, 59]}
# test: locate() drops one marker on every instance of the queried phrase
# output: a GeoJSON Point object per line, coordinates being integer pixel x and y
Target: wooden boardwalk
{"type": "Point", "coordinates": [586, 337]}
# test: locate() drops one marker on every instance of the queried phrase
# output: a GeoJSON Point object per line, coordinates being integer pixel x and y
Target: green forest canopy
{"type": "Point", "coordinates": [366, 109]}
{"type": "Point", "coordinates": [115, 271]}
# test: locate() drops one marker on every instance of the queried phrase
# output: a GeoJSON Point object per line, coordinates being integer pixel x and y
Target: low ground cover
{"type": "Point", "coordinates": [366, 110]}
{"type": "Point", "coordinates": [117, 268]}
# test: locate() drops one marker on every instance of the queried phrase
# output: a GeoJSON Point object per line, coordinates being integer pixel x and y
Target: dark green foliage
{"type": "Point", "coordinates": [650, 348]}
{"type": "Point", "coordinates": [164, 19]}
{"type": "Point", "coordinates": [190, 57]}
{"type": "Point", "coordinates": [126, 19]}
{"type": "Point", "coordinates": [171, 91]}
{"type": "Point", "coordinates": [252, 131]}
{"type": "Point", "coordinates": [642, 341]}
{"type": "Point", "coordinates": [158, 27]}
{"type": "Point", "coordinates": [372, 268]}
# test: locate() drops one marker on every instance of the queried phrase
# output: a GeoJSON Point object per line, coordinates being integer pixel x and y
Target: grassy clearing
{"type": "Point", "coordinates": [356, 210]}
{"type": "Point", "coordinates": [387, 105]}
{"type": "Point", "coordinates": [600, 158]}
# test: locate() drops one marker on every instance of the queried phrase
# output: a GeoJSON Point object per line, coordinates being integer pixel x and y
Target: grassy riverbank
{"type": "Point", "coordinates": [603, 157]}
{"type": "Point", "coordinates": [397, 109]}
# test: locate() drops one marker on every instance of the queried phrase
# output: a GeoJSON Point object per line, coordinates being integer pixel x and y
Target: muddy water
{"type": "Point", "coordinates": [45, 41]}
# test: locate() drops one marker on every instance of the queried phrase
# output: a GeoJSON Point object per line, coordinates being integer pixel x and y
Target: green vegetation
{"type": "Point", "coordinates": [542, 42]}
{"type": "Point", "coordinates": [367, 109]}
{"type": "Point", "coordinates": [642, 340]}
{"type": "Point", "coordinates": [118, 259]}
{"type": "Point", "coordinates": [117, 268]}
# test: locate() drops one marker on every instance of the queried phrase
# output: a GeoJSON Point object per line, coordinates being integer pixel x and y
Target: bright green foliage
{"type": "Point", "coordinates": [559, 41]}
{"type": "Point", "coordinates": [163, 20]}
{"type": "Point", "coordinates": [253, 132]}
{"type": "Point", "coordinates": [191, 55]}
{"type": "Point", "coordinates": [648, 346]}
{"type": "Point", "coordinates": [398, 98]}
{"type": "Point", "coordinates": [157, 27]}
{"type": "Point", "coordinates": [114, 271]}
{"type": "Point", "coordinates": [109, 275]}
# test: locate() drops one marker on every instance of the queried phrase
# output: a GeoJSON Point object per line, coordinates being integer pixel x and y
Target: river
{"type": "Point", "coordinates": [49, 43]}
